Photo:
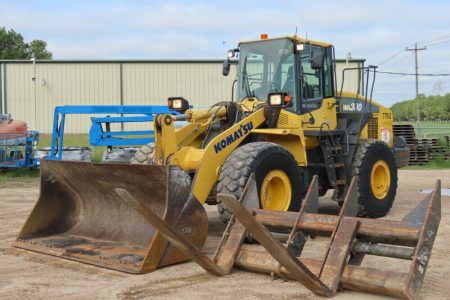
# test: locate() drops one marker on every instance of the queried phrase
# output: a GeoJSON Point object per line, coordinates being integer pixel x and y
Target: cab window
{"type": "Point", "coordinates": [311, 79]}
{"type": "Point", "coordinates": [328, 73]}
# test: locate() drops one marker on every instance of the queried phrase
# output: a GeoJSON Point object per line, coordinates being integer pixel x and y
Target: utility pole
{"type": "Point", "coordinates": [415, 50]}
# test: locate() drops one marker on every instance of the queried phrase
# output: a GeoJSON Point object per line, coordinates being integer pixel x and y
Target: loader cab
{"type": "Point", "coordinates": [301, 69]}
{"type": "Point", "coordinates": [265, 67]}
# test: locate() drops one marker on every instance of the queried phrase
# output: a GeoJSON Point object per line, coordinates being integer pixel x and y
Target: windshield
{"type": "Point", "coordinates": [265, 67]}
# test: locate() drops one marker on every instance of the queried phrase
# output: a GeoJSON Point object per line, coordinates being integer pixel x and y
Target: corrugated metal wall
{"type": "Point", "coordinates": [201, 83]}
{"type": "Point", "coordinates": [353, 79]}
{"type": "Point", "coordinates": [59, 84]}
{"type": "Point", "coordinates": [113, 83]}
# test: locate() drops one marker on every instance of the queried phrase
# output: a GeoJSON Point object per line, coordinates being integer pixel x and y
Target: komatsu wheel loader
{"type": "Point", "coordinates": [290, 124]}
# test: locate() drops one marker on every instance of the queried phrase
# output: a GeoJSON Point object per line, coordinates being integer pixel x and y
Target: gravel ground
{"type": "Point", "coordinates": [25, 274]}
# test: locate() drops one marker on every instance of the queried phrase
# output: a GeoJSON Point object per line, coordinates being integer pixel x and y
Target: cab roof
{"type": "Point", "coordinates": [294, 38]}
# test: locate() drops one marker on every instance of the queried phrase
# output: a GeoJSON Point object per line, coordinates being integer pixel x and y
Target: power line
{"type": "Point", "coordinates": [390, 57]}
{"type": "Point", "coordinates": [431, 41]}
{"type": "Point", "coordinates": [399, 61]}
{"type": "Point", "coordinates": [436, 38]}
{"type": "Point", "coordinates": [438, 43]}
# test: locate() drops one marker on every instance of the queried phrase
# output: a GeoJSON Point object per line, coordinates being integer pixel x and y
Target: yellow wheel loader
{"type": "Point", "coordinates": [290, 124]}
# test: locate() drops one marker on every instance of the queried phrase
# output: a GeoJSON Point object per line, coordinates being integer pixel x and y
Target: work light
{"type": "Point", "coordinates": [280, 99]}
{"type": "Point", "coordinates": [178, 104]}
{"type": "Point", "coordinates": [275, 100]}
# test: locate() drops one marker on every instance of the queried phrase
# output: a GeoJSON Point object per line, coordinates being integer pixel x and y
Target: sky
{"type": "Point", "coordinates": [378, 31]}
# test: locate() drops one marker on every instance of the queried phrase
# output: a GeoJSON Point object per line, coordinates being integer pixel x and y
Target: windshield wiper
{"type": "Point", "coordinates": [248, 91]}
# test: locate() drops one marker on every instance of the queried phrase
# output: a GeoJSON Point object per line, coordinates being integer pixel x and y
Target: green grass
{"type": "Point", "coordinates": [18, 177]}
{"type": "Point", "coordinates": [70, 140]}
{"type": "Point", "coordinates": [435, 164]}
{"type": "Point", "coordinates": [23, 173]}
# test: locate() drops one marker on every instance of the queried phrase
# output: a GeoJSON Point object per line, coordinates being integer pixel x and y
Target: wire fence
{"type": "Point", "coordinates": [430, 129]}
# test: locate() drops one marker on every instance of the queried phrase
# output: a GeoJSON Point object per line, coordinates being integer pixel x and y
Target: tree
{"type": "Point", "coordinates": [13, 46]}
{"type": "Point", "coordinates": [39, 48]}
{"type": "Point", "coordinates": [431, 108]}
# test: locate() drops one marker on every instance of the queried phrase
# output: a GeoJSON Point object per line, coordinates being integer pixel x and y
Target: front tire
{"type": "Point", "coordinates": [276, 173]}
{"type": "Point", "coordinates": [374, 164]}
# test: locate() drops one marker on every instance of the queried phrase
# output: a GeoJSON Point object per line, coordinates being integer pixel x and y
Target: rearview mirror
{"type": "Point", "coordinates": [226, 67]}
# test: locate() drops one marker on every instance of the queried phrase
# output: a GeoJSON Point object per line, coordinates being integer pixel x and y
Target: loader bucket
{"type": "Point", "coordinates": [81, 216]}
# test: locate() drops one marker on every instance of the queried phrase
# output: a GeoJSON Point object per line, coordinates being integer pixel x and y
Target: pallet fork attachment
{"type": "Point", "coordinates": [351, 238]}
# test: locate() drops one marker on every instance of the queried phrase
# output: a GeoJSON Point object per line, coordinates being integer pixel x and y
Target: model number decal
{"type": "Point", "coordinates": [243, 130]}
{"type": "Point", "coordinates": [352, 107]}
{"type": "Point", "coordinates": [387, 116]}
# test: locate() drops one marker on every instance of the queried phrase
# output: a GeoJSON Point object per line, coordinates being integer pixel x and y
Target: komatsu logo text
{"type": "Point", "coordinates": [243, 130]}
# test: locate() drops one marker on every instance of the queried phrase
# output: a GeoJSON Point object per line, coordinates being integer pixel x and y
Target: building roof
{"type": "Point", "coordinates": [128, 61]}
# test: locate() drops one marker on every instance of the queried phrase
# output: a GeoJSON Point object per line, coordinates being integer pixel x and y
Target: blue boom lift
{"type": "Point", "coordinates": [100, 133]}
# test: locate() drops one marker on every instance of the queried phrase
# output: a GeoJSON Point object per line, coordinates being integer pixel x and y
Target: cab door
{"type": "Point", "coordinates": [316, 87]}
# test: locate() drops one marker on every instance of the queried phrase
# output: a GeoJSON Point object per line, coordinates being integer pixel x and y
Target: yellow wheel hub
{"type": "Point", "coordinates": [276, 191]}
{"type": "Point", "coordinates": [380, 179]}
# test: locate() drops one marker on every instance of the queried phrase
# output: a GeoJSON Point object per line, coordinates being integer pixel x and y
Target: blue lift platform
{"type": "Point", "coordinates": [100, 133]}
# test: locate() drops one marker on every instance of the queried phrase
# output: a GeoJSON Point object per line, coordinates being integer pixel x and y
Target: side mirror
{"type": "Point", "coordinates": [317, 60]}
{"type": "Point", "coordinates": [226, 67]}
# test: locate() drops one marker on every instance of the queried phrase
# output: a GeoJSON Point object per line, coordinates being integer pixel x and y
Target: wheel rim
{"type": "Point", "coordinates": [276, 191]}
{"type": "Point", "coordinates": [380, 179]}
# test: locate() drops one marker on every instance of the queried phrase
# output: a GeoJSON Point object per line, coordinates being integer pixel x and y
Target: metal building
{"type": "Point", "coordinates": [31, 91]}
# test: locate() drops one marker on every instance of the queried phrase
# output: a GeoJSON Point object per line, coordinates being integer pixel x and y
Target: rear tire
{"type": "Point", "coordinates": [276, 172]}
{"type": "Point", "coordinates": [144, 156]}
{"type": "Point", "coordinates": [374, 164]}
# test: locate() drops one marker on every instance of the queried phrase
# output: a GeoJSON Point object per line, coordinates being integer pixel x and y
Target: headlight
{"type": "Point", "coordinates": [178, 104]}
{"type": "Point", "coordinates": [280, 99]}
{"type": "Point", "coordinates": [275, 100]}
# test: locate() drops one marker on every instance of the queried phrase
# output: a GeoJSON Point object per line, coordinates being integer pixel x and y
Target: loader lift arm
{"type": "Point", "coordinates": [208, 160]}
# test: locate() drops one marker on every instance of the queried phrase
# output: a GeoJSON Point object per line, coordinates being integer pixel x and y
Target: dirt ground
{"type": "Point", "coordinates": [25, 274]}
